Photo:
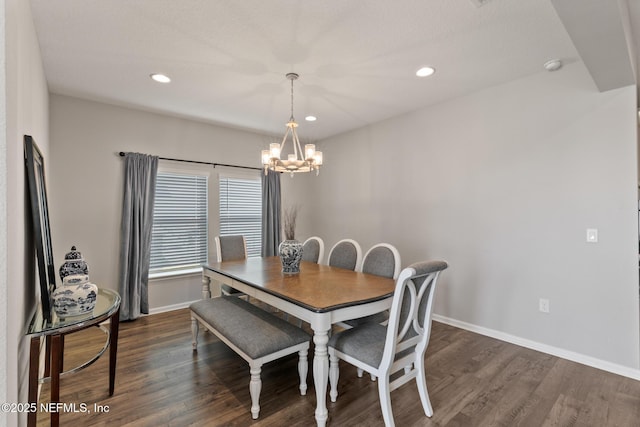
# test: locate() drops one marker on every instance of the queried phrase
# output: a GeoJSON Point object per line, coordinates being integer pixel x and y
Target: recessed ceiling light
{"type": "Point", "coordinates": [425, 71]}
{"type": "Point", "coordinates": [311, 118]}
{"type": "Point", "coordinates": [553, 65]}
{"type": "Point", "coordinates": [160, 78]}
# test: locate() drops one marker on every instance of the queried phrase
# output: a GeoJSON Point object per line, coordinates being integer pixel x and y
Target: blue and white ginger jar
{"type": "Point", "coordinates": [73, 264]}
{"type": "Point", "coordinates": [76, 296]}
{"type": "Point", "coordinates": [290, 252]}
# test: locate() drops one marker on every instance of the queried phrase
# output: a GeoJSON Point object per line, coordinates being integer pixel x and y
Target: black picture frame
{"type": "Point", "coordinates": [37, 191]}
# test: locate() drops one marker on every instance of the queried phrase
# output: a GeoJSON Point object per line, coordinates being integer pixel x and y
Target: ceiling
{"type": "Point", "coordinates": [356, 59]}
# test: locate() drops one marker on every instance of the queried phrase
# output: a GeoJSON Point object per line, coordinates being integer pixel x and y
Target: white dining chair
{"type": "Point", "coordinates": [313, 249]}
{"type": "Point", "coordinates": [345, 254]}
{"type": "Point", "coordinates": [229, 248]}
{"type": "Point", "coordinates": [383, 260]}
{"type": "Point", "coordinates": [396, 349]}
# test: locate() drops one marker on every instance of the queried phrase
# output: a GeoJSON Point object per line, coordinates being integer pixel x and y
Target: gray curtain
{"type": "Point", "coordinates": [135, 233]}
{"type": "Point", "coordinates": [270, 213]}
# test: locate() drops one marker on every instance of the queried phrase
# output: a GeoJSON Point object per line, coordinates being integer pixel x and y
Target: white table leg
{"type": "Point", "coordinates": [321, 374]}
{"type": "Point", "coordinates": [206, 286]}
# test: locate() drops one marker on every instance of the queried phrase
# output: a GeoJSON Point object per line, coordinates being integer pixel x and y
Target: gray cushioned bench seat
{"type": "Point", "coordinates": [257, 336]}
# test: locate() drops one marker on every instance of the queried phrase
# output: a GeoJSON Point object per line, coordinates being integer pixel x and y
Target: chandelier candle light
{"type": "Point", "coordinates": [298, 161]}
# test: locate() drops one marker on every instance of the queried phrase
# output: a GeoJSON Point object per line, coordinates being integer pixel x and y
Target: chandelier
{"type": "Point", "coordinates": [297, 161]}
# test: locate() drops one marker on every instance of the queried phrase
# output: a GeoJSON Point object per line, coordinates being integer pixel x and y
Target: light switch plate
{"type": "Point", "coordinates": [544, 305]}
{"type": "Point", "coordinates": [592, 235]}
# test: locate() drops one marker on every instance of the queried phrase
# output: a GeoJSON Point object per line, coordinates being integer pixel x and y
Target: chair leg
{"type": "Point", "coordinates": [194, 333]}
{"type": "Point", "coordinates": [334, 374]}
{"type": "Point", "coordinates": [361, 372]}
{"type": "Point", "coordinates": [422, 388]}
{"type": "Point", "coordinates": [255, 386]}
{"type": "Point", "coordinates": [385, 401]}
{"type": "Point", "coordinates": [303, 368]}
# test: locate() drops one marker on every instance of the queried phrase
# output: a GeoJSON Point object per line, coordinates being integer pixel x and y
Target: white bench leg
{"type": "Point", "coordinates": [255, 386]}
{"type": "Point", "coordinates": [303, 368]}
{"type": "Point", "coordinates": [334, 374]}
{"type": "Point", "coordinates": [194, 333]}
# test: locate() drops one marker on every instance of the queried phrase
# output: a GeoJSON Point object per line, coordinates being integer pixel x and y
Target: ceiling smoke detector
{"type": "Point", "coordinates": [553, 65]}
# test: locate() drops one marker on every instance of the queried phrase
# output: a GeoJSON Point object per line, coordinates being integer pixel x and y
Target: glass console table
{"type": "Point", "coordinates": [107, 308]}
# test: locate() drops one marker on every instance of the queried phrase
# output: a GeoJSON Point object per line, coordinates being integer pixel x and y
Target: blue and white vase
{"type": "Point", "coordinates": [73, 264]}
{"type": "Point", "coordinates": [75, 297]}
{"type": "Point", "coordinates": [290, 252]}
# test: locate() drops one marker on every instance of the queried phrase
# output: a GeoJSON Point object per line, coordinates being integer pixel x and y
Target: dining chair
{"type": "Point", "coordinates": [383, 260]}
{"type": "Point", "coordinates": [345, 254]}
{"type": "Point", "coordinates": [229, 248]}
{"type": "Point", "coordinates": [384, 351]}
{"type": "Point", "coordinates": [313, 249]}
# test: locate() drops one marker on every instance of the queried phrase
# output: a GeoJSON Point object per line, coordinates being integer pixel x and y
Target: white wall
{"type": "Point", "coordinates": [24, 111]}
{"type": "Point", "coordinates": [503, 185]}
{"type": "Point", "coordinates": [86, 191]}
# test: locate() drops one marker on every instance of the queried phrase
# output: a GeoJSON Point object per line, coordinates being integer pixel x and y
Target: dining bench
{"type": "Point", "coordinates": [254, 334]}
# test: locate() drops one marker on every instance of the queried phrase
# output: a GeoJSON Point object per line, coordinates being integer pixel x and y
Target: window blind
{"type": "Point", "coordinates": [241, 211]}
{"type": "Point", "coordinates": [179, 235]}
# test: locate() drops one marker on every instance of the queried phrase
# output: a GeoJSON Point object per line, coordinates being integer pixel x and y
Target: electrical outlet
{"type": "Point", "coordinates": [544, 305]}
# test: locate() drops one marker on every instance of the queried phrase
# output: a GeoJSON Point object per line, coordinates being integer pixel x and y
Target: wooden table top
{"type": "Point", "coordinates": [319, 288]}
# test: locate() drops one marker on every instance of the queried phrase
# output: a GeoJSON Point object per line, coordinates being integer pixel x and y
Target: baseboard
{"type": "Point", "coordinates": [171, 307]}
{"type": "Point", "coordinates": [544, 348]}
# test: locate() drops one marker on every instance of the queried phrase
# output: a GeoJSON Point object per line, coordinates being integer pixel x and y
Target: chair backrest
{"type": "Point", "coordinates": [382, 259]}
{"type": "Point", "coordinates": [345, 254]}
{"type": "Point", "coordinates": [410, 317]}
{"type": "Point", "coordinates": [229, 248]}
{"type": "Point", "coordinates": [313, 249]}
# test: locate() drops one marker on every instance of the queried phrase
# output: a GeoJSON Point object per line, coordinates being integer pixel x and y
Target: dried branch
{"type": "Point", "coordinates": [289, 218]}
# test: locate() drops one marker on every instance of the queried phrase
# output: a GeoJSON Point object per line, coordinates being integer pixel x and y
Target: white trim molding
{"type": "Point", "coordinates": [554, 351]}
{"type": "Point", "coordinates": [171, 307]}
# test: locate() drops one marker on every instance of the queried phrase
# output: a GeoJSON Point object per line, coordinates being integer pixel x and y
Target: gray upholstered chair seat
{"type": "Point", "coordinates": [365, 342]}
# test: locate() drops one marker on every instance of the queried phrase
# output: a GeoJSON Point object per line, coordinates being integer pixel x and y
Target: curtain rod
{"type": "Point", "coordinates": [122, 154]}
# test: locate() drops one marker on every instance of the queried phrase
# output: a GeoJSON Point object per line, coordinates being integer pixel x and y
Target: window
{"type": "Point", "coordinates": [179, 235]}
{"type": "Point", "coordinates": [241, 210]}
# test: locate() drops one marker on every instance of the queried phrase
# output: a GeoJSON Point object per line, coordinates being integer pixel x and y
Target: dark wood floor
{"type": "Point", "coordinates": [473, 381]}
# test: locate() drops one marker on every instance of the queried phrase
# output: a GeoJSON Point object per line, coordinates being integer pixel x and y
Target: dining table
{"type": "Point", "coordinates": [319, 294]}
